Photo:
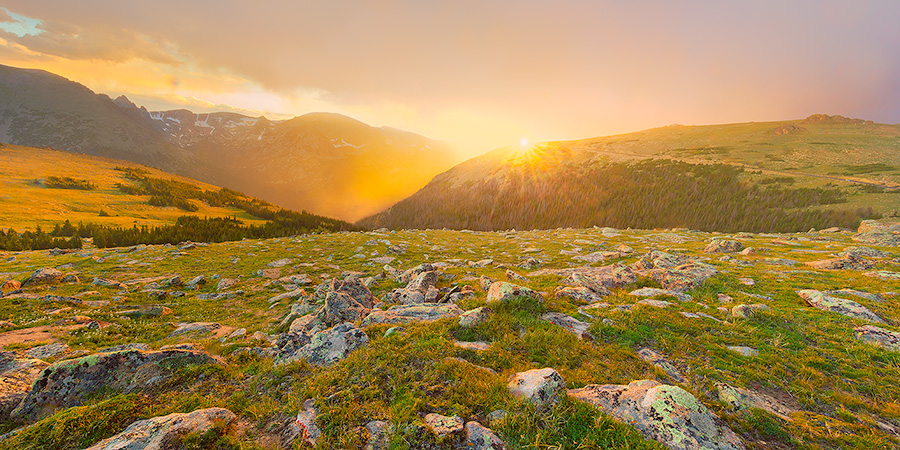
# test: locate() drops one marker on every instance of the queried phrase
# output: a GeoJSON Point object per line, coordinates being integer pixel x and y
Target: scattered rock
{"type": "Point", "coordinates": [655, 303]}
{"type": "Point", "coordinates": [119, 348]}
{"type": "Point", "coordinates": [846, 262]}
{"type": "Point", "coordinates": [426, 312]}
{"type": "Point", "coordinates": [332, 345]}
{"type": "Point", "coordinates": [846, 307]}
{"type": "Point", "coordinates": [341, 307]}
{"type": "Point", "coordinates": [165, 432]}
{"type": "Point", "coordinates": [474, 317]}
{"type": "Point", "coordinates": [47, 275]}
{"type": "Point", "coordinates": [477, 346]}
{"type": "Point", "coordinates": [740, 399]}
{"type": "Point", "coordinates": [577, 294]}
{"type": "Point", "coordinates": [280, 263]}
{"type": "Point", "coordinates": [379, 435]}
{"type": "Point", "coordinates": [226, 283]}
{"type": "Point", "coordinates": [444, 426]}
{"type": "Point", "coordinates": [195, 282]}
{"type": "Point", "coordinates": [723, 246]}
{"type": "Point", "coordinates": [666, 414]}
{"type": "Point", "coordinates": [884, 274]}
{"type": "Point", "coordinates": [16, 377]}
{"type": "Point", "coordinates": [889, 340]}
{"type": "Point", "coordinates": [568, 323]}
{"type": "Point", "coordinates": [860, 294]}
{"type": "Point", "coordinates": [479, 437]}
{"type": "Point", "coordinates": [662, 363]}
{"type": "Point", "coordinates": [539, 386]}
{"type": "Point", "coordinates": [304, 427]}
{"type": "Point", "coordinates": [653, 292]}
{"type": "Point", "coordinates": [504, 292]}
{"type": "Point", "coordinates": [10, 285]}
{"type": "Point", "coordinates": [515, 277]}
{"type": "Point", "coordinates": [47, 351]}
{"type": "Point", "coordinates": [747, 311]}
{"type": "Point", "coordinates": [147, 311]}
{"type": "Point", "coordinates": [194, 327]}
{"type": "Point", "coordinates": [746, 351]}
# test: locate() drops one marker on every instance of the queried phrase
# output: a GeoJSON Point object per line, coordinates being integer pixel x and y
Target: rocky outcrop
{"type": "Point", "coordinates": [723, 246]}
{"type": "Point", "coordinates": [69, 383]}
{"type": "Point", "coordinates": [475, 316]}
{"type": "Point", "coordinates": [16, 377]}
{"type": "Point", "coordinates": [667, 414]}
{"type": "Point", "coordinates": [739, 399]}
{"type": "Point", "coordinates": [846, 262]}
{"type": "Point", "coordinates": [341, 307]}
{"type": "Point", "coordinates": [479, 437]}
{"type": "Point", "coordinates": [877, 336]}
{"type": "Point", "coordinates": [662, 363]}
{"type": "Point", "coordinates": [539, 386]}
{"type": "Point", "coordinates": [504, 292]}
{"type": "Point", "coordinates": [47, 275]}
{"type": "Point", "coordinates": [326, 347]}
{"type": "Point", "coordinates": [842, 306]}
{"type": "Point", "coordinates": [443, 426]}
{"type": "Point", "coordinates": [425, 312]}
{"type": "Point", "coordinates": [164, 432]}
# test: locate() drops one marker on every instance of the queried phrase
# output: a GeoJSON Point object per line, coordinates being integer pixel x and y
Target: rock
{"type": "Point", "coordinates": [480, 438]}
{"type": "Point", "coordinates": [477, 346]}
{"type": "Point", "coordinates": [662, 363]}
{"type": "Point", "coordinates": [685, 277]}
{"type": "Point", "coordinates": [47, 351]}
{"type": "Point", "coordinates": [423, 281]}
{"type": "Point", "coordinates": [226, 283]}
{"type": "Point", "coordinates": [592, 284]}
{"type": "Point", "coordinates": [379, 435]}
{"type": "Point", "coordinates": [655, 303]}
{"type": "Point", "coordinates": [748, 251]}
{"type": "Point", "coordinates": [884, 274]}
{"type": "Point", "coordinates": [747, 311]}
{"type": "Point", "coordinates": [504, 292]}
{"type": "Point", "coordinates": [474, 317]}
{"type": "Point", "coordinates": [355, 288]}
{"type": "Point", "coordinates": [653, 292]}
{"type": "Point", "coordinates": [495, 416]}
{"type": "Point", "coordinates": [330, 346]}
{"type": "Point", "coordinates": [667, 414]}
{"type": "Point", "coordinates": [515, 277]}
{"type": "Point", "coordinates": [195, 282]}
{"type": "Point", "coordinates": [579, 294]}
{"type": "Point", "coordinates": [147, 311]}
{"type": "Point", "coordinates": [444, 426]}
{"type": "Point", "coordinates": [889, 340]}
{"type": "Point", "coordinates": [394, 330]}
{"type": "Point", "coordinates": [747, 281]}
{"type": "Point", "coordinates": [406, 297]}
{"type": "Point", "coordinates": [860, 294]}
{"type": "Point", "coordinates": [10, 285]}
{"type": "Point", "coordinates": [864, 252]}
{"type": "Point", "coordinates": [739, 399]}
{"type": "Point", "coordinates": [485, 283]}
{"type": "Point", "coordinates": [723, 246]}
{"type": "Point", "coordinates": [426, 312]}
{"type": "Point", "coordinates": [847, 262]}
{"type": "Point", "coordinates": [410, 274]}
{"type": "Point", "coordinates": [16, 377]}
{"type": "Point", "coordinates": [308, 324]}
{"type": "Point", "coordinates": [194, 327]}
{"type": "Point", "coordinates": [624, 249]}
{"type": "Point", "coordinates": [47, 275]}
{"type": "Point", "coordinates": [107, 283]}
{"type": "Point", "coordinates": [164, 432]}
{"type": "Point", "coordinates": [724, 298]}
{"type": "Point", "coordinates": [745, 351]}
{"type": "Point", "coordinates": [539, 386]}
{"type": "Point", "coordinates": [569, 323]}
{"type": "Point", "coordinates": [304, 426]}
{"type": "Point", "coordinates": [119, 348]}
{"type": "Point", "coordinates": [272, 274]}
{"type": "Point", "coordinates": [846, 307]}
{"type": "Point", "coordinates": [71, 382]}
{"type": "Point", "coordinates": [280, 263]}
{"type": "Point", "coordinates": [341, 307]}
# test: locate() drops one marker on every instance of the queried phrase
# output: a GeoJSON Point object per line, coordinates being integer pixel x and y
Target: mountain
{"type": "Point", "coordinates": [324, 163]}
{"type": "Point", "coordinates": [40, 109]}
{"type": "Point", "coordinates": [777, 176]}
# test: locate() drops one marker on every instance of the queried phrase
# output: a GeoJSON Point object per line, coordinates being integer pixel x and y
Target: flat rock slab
{"type": "Point", "coordinates": [71, 382]}
{"type": "Point", "coordinates": [47, 351]}
{"type": "Point", "coordinates": [883, 274]}
{"type": "Point", "coordinates": [163, 432]}
{"type": "Point", "coordinates": [474, 316]}
{"type": "Point", "coordinates": [846, 262]}
{"type": "Point", "coordinates": [425, 312]}
{"type": "Point", "coordinates": [842, 306]}
{"type": "Point", "coordinates": [743, 350]}
{"type": "Point", "coordinates": [743, 311]}
{"type": "Point", "coordinates": [443, 426]}
{"type": "Point", "coordinates": [195, 327]}
{"type": "Point", "coordinates": [539, 386]}
{"type": "Point", "coordinates": [653, 292]}
{"type": "Point", "coordinates": [578, 294]}
{"type": "Point", "coordinates": [504, 292]}
{"type": "Point", "coordinates": [16, 377]}
{"type": "Point", "coordinates": [889, 340]}
{"type": "Point", "coordinates": [667, 414]}
{"type": "Point", "coordinates": [474, 346]}
{"type": "Point", "coordinates": [740, 399]}
{"type": "Point", "coordinates": [568, 323]}
{"type": "Point", "coordinates": [723, 246]}
{"type": "Point", "coordinates": [661, 362]}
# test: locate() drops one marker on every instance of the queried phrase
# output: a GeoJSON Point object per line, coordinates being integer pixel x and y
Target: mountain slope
{"type": "Point", "coordinates": [779, 176]}
{"type": "Point", "coordinates": [40, 109]}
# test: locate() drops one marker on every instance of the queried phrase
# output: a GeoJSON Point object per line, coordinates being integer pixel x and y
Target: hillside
{"type": "Point", "coordinates": [569, 339]}
{"type": "Point", "coordinates": [327, 164]}
{"type": "Point", "coordinates": [779, 176]}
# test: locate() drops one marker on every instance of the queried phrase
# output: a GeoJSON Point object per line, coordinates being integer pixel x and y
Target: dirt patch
{"type": "Point", "coordinates": [45, 334]}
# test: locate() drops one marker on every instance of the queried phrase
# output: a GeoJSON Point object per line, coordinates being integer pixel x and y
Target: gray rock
{"type": "Point", "coordinates": [662, 363]}
{"type": "Point", "coordinates": [379, 435]}
{"type": "Point", "coordinates": [226, 283]}
{"type": "Point", "coordinates": [723, 246]}
{"type": "Point", "coordinates": [47, 351]}
{"type": "Point", "coordinates": [195, 282]}
{"type": "Point", "coordinates": [122, 347]}
{"type": "Point", "coordinates": [740, 399]}
{"type": "Point", "coordinates": [743, 350]}
{"type": "Point", "coordinates": [654, 292]}
{"type": "Point", "coordinates": [426, 312]}
{"type": "Point", "coordinates": [341, 307]}
{"type": "Point", "coordinates": [330, 346]}
{"type": "Point", "coordinates": [846, 262]}
{"type": "Point", "coordinates": [423, 281]}
{"type": "Point", "coordinates": [889, 340]}
{"type": "Point", "coordinates": [539, 386]}
{"type": "Point", "coordinates": [280, 263]}
{"type": "Point", "coordinates": [747, 311]}
{"type": "Point", "coordinates": [107, 283]}
{"type": "Point", "coordinates": [479, 437]}
{"type": "Point", "coordinates": [406, 296]}
{"type": "Point", "coordinates": [655, 303]}
{"type": "Point", "coordinates": [501, 291]}
{"type": "Point", "coordinates": [860, 294]}
{"type": "Point", "coordinates": [577, 294]}
{"type": "Point", "coordinates": [163, 432]}
{"type": "Point", "coordinates": [864, 252]}
{"type": "Point", "coordinates": [667, 414]}
{"type": "Point", "coordinates": [16, 377]}
{"type": "Point", "coordinates": [474, 317]}
{"type": "Point", "coordinates": [569, 323]}
{"type": "Point", "coordinates": [444, 426]}
{"type": "Point", "coordinates": [195, 327]}
{"type": "Point", "coordinates": [46, 275]}
{"type": "Point", "coordinates": [355, 288]}
{"type": "Point", "coordinates": [842, 306]}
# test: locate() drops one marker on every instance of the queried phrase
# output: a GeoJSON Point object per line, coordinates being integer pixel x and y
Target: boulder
{"type": "Point", "coordinates": [47, 351]}
{"type": "Point", "coordinates": [423, 281]}
{"type": "Point", "coordinates": [479, 437]}
{"type": "Point", "coordinates": [684, 277]}
{"type": "Point", "coordinates": [355, 288]}
{"type": "Point", "coordinates": [426, 312]}
{"type": "Point", "coordinates": [667, 414]}
{"type": "Point", "coordinates": [889, 340]}
{"type": "Point", "coordinates": [654, 292]}
{"type": "Point", "coordinates": [107, 283]}
{"type": "Point", "coordinates": [341, 307]}
{"type": "Point", "coordinates": [444, 426]}
{"type": "Point", "coordinates": [164, 432]}
{"type": "Point", "coordinates": [746, 311]}
{"type": "Point", "coordinates": [579, 294]}
{"type": "Point", "coordinates": [512, 276]}
{"type": "Point", "coordinates": [10, 285]}
{"type": "Point", "coordinates": [504, 292]}
{"type": "Point", "coordinates": [194, 327]}
{"type": "Point", "coordinates": [842, 306]}
{"type": "Point", "coordinates": [739, 399]}
{"type": "Point", "coordinates": [46, 275]}
{"type": "Point", "coordinates": [329, 346]}
{"type": "Point", "coordinates": [304, 427]}
{"type": "Point", "coordinates": [846, 262]}
{"type": "Point", "coordinates": [147, 311]}
{"type": "Point", "coordinates": [406, 296]}
{"type": "Point", "coordinates": [71, 382]}
{"type": "Point", "coordinates": [226, 283]}
{"type": "Point", "coordinates": [569, 323]}
{"type": "Point", "coordinates": [539, 386]}
{"type": "Point", "coordinates": [16, 377]}
{"type": "Point", "coordinates": [723, 246]}
{"type": "Point", "coordinates": [379, 435]}
{"type": "Point", "coordinates": [864, 252]}
{"type": "Point", "coordinates": [475, 316]}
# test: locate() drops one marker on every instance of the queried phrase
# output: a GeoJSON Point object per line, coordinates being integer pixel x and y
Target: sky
{"type": "Point", "coordinates": [478, 74]}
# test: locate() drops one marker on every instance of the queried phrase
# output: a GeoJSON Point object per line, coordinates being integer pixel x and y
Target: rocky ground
{"type": "Point", "coordinates": [571, 338]}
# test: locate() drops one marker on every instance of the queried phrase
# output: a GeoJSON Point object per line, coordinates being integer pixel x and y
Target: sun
{"type": "Point", "coordinates": [523, 142]}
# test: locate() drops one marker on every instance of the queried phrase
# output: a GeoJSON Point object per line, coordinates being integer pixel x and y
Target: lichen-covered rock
{"type": "Point", "coordinates": [426, 312]}
{"type": "Point", "coordinates": [410, 274]}
{"type": "Point", "coordinates": [478, 437]}
{"type": "Point", "coordinates": [164, 432]}
{"type": "Point", "coordinates": [502, 291]}
{"type": "Point", "coordinates": [539, 386]}
{"type": "Point", "coordinates": [147, 311]}
{"type": "Point", "coordinates": [226, 283]}
{"type": "Point", "coordinates": [889, 340]}
{"type": "Point", "coordinates": [864, 252]}
{"type": "Point", "coordinates": [341, 307]}
{"type": "Point", "coordinates": [107, 283]}
{"type": "Point", "coordinates": [379, 435]}
{"type": "Point", "coordinates": [475, 316]}
{"type": "Point", "coordinates": [46, 275]}
{"type": "Point", "coordinates": [685, 277]}
{"type": "Point", "coordinates": [723, 246]}
{"type": "Point", "coordinates": [577, 294]}
{"type": "Point", "coordinates": [655, 259]}
{"type": "Point", "coordinates": [846, 262]}
{"type": "Point", "coordinates": [864, 295]}
{"type": "Point", "coordinates": [743, 350]}
{"type": "Point", "coordinates": [653, 292]}
{"type": "Point", "coordinates": [743, 311]}
{"type": "Point", "coordinates": [332, 345]}
{"type": "Point", "coordinates": [569, 323]}
{"type": "Point", "coordinates": [842, 306]}
{"type": "Point", "coordinates": [661, 362]}
{"type": "Point", "coordinates": [444, 426]}
{"type": "Point", "coordinates": [423, 281]}
{"type": "Point", "coordinates": [69, 383]}
{"type": "Point", "coordinates": [667, 414]}
{"type": "Point", "coordinates": [16, 377]}
{"type": "Point", "coordinates": [883, 274]}
{"type": "Point", "coordinates": [406, 296]}
{"type": "Point", "coordinates": [195, 327]}
{"type": "Point", "coordinates": [739, 399]}
{"type": "Point", "coordinates": [512, 276]}
{"type": "Point", "coordinates": [47, 351]}
{"type": "Point", "coordinates": [591, 283]}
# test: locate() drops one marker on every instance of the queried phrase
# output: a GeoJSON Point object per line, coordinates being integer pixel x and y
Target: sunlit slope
{"type": "Point", "coordinates": [25, 202]}
{"type": "Point", "coordinates": [817, 172]}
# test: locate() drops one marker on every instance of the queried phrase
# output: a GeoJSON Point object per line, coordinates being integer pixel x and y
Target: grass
{"type": "Point", "coordinates": [843, 386]}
